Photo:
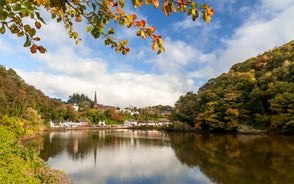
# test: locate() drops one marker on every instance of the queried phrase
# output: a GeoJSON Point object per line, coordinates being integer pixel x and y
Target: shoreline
{"type": "Point", "coordinates": [243, 129]}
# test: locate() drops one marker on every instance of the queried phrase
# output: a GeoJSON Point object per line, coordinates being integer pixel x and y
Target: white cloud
{"type": "Point", "coordinates": [187, 23]}
{"type": "Point", "coordinates": [65, 73]}
{"type": "Point", "coordinates": [178, 56]}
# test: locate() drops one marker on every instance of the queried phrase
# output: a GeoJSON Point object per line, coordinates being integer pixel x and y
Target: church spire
{"type": "Point", "coordinates": [95, 101]}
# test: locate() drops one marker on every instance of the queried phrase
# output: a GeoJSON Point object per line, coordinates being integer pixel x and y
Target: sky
{"type": "Point", "coordinates": [195, 52]}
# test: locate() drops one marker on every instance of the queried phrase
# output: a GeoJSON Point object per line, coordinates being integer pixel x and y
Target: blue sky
{"type": "Point", "coordinates": [195, 52]}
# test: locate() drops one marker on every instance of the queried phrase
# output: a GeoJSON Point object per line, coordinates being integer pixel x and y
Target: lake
{"type": "Point", "coordinates": [153, 157]}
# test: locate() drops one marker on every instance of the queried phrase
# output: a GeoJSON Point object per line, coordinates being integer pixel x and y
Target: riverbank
{"type": "Point", "coordinates": [176, 127]}
{"type": "Point", "coordinates": [22, 165]}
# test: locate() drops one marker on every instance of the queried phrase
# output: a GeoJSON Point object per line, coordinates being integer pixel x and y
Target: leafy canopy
{"type": "Point", "coordinates": [98, 14]}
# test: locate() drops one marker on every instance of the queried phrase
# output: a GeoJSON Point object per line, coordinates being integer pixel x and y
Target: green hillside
{"type": "Point", "coordinates": [23, 111]}
{"type": "Point", "coordinates": [24, 108]}
{"type": "Point", "coordinates": [258, 92]}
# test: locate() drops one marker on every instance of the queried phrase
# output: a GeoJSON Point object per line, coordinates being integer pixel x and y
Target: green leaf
{"type": "Point", "coordinates": [111, 30]}
{"type": "Point", "coordinates": [195, 16]}
{"type": "Point", "coordinates": [2, 30]}
{"type": "Point", "coordinates": [121, 22]}
{"type": "Point", "coordinates": [3, 15]}
{"type": "Point", "coordinates": [32, 32]}
{"type": "Point", "coordinates": [20, 34]}
{"type": "Point", "coordinates": [95, 33]}
{"type": "Point", "coordinates": [105, 20]}
{"type": "Point", "coordinates": [89, 28]}
{"type": "Point", "coordinates": [27, 43]}
{"type": "Point", "coordinates": [17, 7]}
{"type": "Point", "coordinates": [39, 17]}
{"type": "Point", "coordinates": [121, 3]}
{"type": "Point", "coordinates": [194, 5]}
{"type": "Point", "coordinates": [148, 2]}
{"type": "Point", "coordinates": [94, 6]}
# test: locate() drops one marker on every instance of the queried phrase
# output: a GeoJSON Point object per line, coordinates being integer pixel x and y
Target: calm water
{"type": "Point", "coordinates": [152, 157]}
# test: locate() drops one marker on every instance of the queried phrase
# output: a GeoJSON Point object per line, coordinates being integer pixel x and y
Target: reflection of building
{"type": "Point", "coordinates": [132, 123]}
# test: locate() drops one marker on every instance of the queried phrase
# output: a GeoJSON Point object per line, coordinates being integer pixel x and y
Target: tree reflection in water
{"type": "Point", "coordinates": [156, 157]}
{"type": "Point", "coordinates": [237, 158]}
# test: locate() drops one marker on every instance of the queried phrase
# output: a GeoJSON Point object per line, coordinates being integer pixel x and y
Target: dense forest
{"type": "Point", "coordinates": [258, 92]}
{"type": "Point", "coordinates": [25, 108]}
{"type": "Point", "coordinates": [23, 111]}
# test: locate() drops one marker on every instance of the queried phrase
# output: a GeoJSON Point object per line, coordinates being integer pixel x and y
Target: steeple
{"type": "Point", "coordinates": [95, 101]}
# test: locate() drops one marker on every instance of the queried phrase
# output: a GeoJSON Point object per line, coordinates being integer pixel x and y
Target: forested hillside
{"type": "Point", "coordinates": [24, 110]}
{"type": "Point", "coordinates": [258, 92]}
{"type": "Point", "coordinates": [23, 107]}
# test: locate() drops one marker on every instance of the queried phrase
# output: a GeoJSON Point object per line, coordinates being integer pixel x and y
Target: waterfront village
{"type": "Point", "coordinates": [129, 123]}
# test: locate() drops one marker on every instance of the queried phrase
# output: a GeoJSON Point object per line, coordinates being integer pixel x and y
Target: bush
{"type": "Point", "coordinates": [20, 165]}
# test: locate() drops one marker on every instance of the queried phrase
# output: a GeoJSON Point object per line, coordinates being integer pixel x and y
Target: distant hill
{"type": "Point", "coordinates": [258, 92]}
{"type": "Point", "coordinates": [24, 102]}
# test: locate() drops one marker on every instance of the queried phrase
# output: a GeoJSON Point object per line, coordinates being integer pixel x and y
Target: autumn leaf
{"type": "Point", "coordinates": [36, 39]}
{"type": "Point", "coordinates": [42, 49]}
{"type": "Point", "coordinates": [78, 18]}
{"type": "Point", "coordinates": [38, 25]}
{"type": "Point", "coordinates": [133, 16]}
{"type": "Point", "coordinates": [143, 23]}
{"type": "Point", "coordinates": [34, 48]}
{"type": "Point", "coordinates": [125, 50]}
{"type": "Point", "coordinates": [155, 3]}
{"type": "Point", "coordinates": [206, 18]}
{"type": "Point", "coordinates": [154, 45]}
{"type": "Point", "coordinates": [111, 30]}
{"type": "Point", "coordinates": [209, 11]}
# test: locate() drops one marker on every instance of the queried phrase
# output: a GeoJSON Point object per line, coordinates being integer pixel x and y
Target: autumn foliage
{"type": "Point", "coordinates": [100, 15]}
{"type": "Point", "coordinates": [258, 92]}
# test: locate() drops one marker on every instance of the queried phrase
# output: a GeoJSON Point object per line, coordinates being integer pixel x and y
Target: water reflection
{"type": "Point", "coordinates": [117, 156]}
{"type": "Point", "coordinates": [125, 156]}
{"type": "Point", "coordinates": [238, 158]}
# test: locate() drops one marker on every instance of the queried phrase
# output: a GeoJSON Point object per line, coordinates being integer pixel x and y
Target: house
{"type": "Point", "coordinates": [130, 123]}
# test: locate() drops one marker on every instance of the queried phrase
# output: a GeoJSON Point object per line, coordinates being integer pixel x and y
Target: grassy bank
{"type": "Point", "coordinates": [20, 165]}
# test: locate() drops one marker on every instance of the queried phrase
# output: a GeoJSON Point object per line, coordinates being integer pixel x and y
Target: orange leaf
{"type": "Point", "coordinates": [209, 11]}
{"type": "Point", "coordinates": [120, 11]}
{"type": "Point", "coordinates": [143, 23]}
{"type": "Point", "coordinates": [34, 48]}
{"type": "Point", "coordinates": [152, 29]}
{"type": "Point", "coordinates": [78, 18]}
{"type": "Point", "coordinates": [155, 3]}
{"type": "Point", "coordinates": [137, 23]}
{"type": "Point", "coordinates": [42, 49]}
{"type": "Point", "coordinates": [133, 16]}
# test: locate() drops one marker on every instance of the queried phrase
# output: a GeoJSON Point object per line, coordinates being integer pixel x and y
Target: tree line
{"type": "Point", "coordinates": [258, 92]}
